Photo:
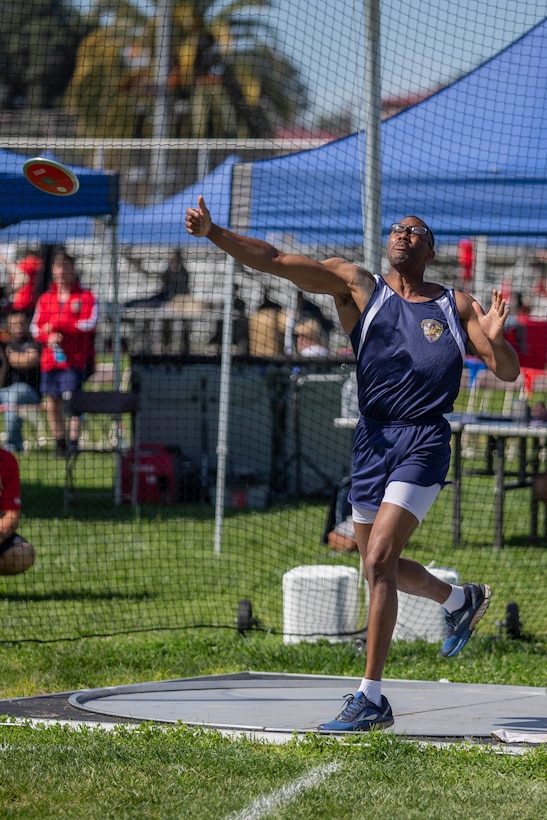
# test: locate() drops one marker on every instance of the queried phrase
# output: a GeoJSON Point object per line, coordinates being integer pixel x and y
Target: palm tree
{"type": "Point", "coordinates": [38, 42]}
{"type": "Point", "coordinates": [225, 77]}
{"type": "Point", "coordinates": [110, 89]}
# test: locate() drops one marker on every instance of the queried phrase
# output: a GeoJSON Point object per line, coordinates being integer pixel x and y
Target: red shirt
{"type": "Point", "coordinates": [10, 486]}
{"type": "Point", "coordinates": [75, 318]}
{"type": "Point", "coordinates": [24, 299]}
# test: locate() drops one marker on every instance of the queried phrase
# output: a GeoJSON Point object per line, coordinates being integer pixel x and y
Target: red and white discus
{"type": "Point", "coordinates": [51, 177]}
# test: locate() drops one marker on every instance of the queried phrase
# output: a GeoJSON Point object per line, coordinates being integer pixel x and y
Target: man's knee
{"type": "Point", "coordinates": [17, 558]}
{"type": "Point", "coordinates": [381, 562]}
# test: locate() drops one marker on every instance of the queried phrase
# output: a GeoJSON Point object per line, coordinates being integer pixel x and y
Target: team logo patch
{"type": "Point", "coordinates": [432, 330]}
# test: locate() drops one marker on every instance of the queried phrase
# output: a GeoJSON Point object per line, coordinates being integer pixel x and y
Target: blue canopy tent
{"type": "Point", "coordinates": [26, 213]}
{"type": "Point", "coordinates": [20, 201]}
{"type": "Point", "coordinates": [30, 215]}
{"type": "Point", "coordinates": [471, 160]}
{"type": "Point", "coordinates": [163, 224]}
{"type": "Point", "coordinates": [49, 231]}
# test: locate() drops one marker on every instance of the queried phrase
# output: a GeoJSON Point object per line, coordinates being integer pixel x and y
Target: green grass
{"type": "Point", "coordinates": [100, 571]}
{"type": "Point", "coordinates": [188, 773]}
{"type": "Point", "coordinates": [177, 772]}
{"type": "Point", "coordinates": [30, 669]}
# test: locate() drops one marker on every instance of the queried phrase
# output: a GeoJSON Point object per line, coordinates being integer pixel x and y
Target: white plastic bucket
{"type": "Point", "coordinates": [320, 601]}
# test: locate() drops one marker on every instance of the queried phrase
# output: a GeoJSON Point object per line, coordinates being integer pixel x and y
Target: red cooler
{"type": "Point", "coordinates": [156, 475]}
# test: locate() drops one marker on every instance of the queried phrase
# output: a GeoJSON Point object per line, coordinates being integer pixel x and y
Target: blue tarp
{"type": "Point", "coordinates": [163, 224]}
{"type": "Point", "coordinates": [49, 231]}
{"type": "Point", "coordinates": [470, 160]}
{"type": "Point", "coordinates": [21, 201]}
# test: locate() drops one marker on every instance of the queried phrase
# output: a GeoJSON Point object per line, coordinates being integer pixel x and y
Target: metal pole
{"type": "Point", "coordinates": [372, 208]}
{"type": "Point", "coordinates": [158, 158]}
{"type": "Point", "coordinates": [202, 163]}
{"type": "Point", "coordinates": [224, 402]}
{"type": "Point", "coordinates": [117, 350]}
{"type": "Point", "coordinates": [116, 323]}
{"type": "Point", "coordinates": [480, 291]}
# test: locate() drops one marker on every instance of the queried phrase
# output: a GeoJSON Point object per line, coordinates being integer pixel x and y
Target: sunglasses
{"type": "Point", "coordinates": [416, 230]}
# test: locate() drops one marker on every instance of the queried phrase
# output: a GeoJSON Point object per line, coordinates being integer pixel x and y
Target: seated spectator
{"type": "Point", "coordinates": [342, 537]}
{"type": "Point", "coordinates": [176, 282]}
{"type": "Point", "coordinates": [16, 554]}
{"type": "Point", "coordinates": [339, 531]}
{"type": "Point", "coordinates": [22, 382]}
{"type": "Point", "coordinates": [267, 329]}
{"type": "Point", "coordinates": [306, 309]}
{"type": "Point", "coordinates": [176, 279]}
{"type": "Point", "coordinates": [310, 340]}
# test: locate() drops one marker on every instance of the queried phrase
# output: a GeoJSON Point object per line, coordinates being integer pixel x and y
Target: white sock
{"type": "Point", "coordinates": [455, 600]}
{"type": "Point", "coordinates": [372, 690]}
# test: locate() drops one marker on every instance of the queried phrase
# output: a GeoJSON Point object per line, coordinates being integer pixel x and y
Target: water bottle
{"type": "Point", "coordinates": [59, 354]}
{"type": "Point", "coordinates": [350, 398]}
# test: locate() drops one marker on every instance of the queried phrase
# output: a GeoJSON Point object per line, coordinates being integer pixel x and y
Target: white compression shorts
{"type": "Point", "coordinates": [412, 497]}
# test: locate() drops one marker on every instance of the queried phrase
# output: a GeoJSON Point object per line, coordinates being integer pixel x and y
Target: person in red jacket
{"type": "Point", "coordinates": [24, 284]}
{"type": "Point", "coordinates": [16, 554]}
{"type": "Point", "coordinates": [64, 322]}
{"type": "Point", "coordinates": [25, 276]}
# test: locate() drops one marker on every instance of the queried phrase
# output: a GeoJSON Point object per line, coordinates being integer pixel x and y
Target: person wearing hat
{"type": "Point", "coordinates": [309, 339]}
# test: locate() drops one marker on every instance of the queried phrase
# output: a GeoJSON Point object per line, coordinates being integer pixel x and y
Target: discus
{"type": "Point", "coordinates": [51, 177]}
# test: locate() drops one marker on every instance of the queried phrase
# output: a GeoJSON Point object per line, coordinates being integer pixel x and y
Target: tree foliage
{"type": "Point", "coordinates": [38, 43]}
{"type": "Point", "coordinates": [226, 77]}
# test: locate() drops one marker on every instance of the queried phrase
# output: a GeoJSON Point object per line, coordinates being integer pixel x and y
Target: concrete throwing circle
{"type": "Point", "coordinates": [264, 702]}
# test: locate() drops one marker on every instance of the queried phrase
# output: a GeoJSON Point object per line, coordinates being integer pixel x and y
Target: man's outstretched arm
{"type": "Point", "coordinates": [307, 274]}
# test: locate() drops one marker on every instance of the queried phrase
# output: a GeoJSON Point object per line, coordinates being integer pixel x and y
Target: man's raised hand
{"type": "Point", "coordinates": [492, 323]}
{"type": "Point", "coordinates": [198, 220]}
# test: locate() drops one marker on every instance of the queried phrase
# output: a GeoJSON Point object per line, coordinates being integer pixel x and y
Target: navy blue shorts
{"type": "Point", "coordinates": [56, 383]}
{"type": "Point", "coordinates": [416, 453]}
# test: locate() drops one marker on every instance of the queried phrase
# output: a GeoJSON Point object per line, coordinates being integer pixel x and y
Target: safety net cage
{"type": "Point", "coordinates": [177, 425]}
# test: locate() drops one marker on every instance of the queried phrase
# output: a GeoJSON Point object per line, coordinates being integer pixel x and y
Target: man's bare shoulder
{"type": "Point", "coordinates": [356, 288]}
{"type": "Point", "coordinates": [355, 276]}
{"type": "Point", "coordinates": [464, 303]}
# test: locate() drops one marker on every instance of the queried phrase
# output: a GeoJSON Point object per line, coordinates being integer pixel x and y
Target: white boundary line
{"type": "Point", "coordinates": [279, 798]}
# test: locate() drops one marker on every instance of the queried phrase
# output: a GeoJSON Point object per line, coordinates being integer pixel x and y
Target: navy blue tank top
{"type": "Point", "coordinates": [409, 355]}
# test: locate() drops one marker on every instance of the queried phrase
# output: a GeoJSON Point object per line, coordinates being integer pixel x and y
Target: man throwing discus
{"type": "Point", "coordinates": [409, 337]}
